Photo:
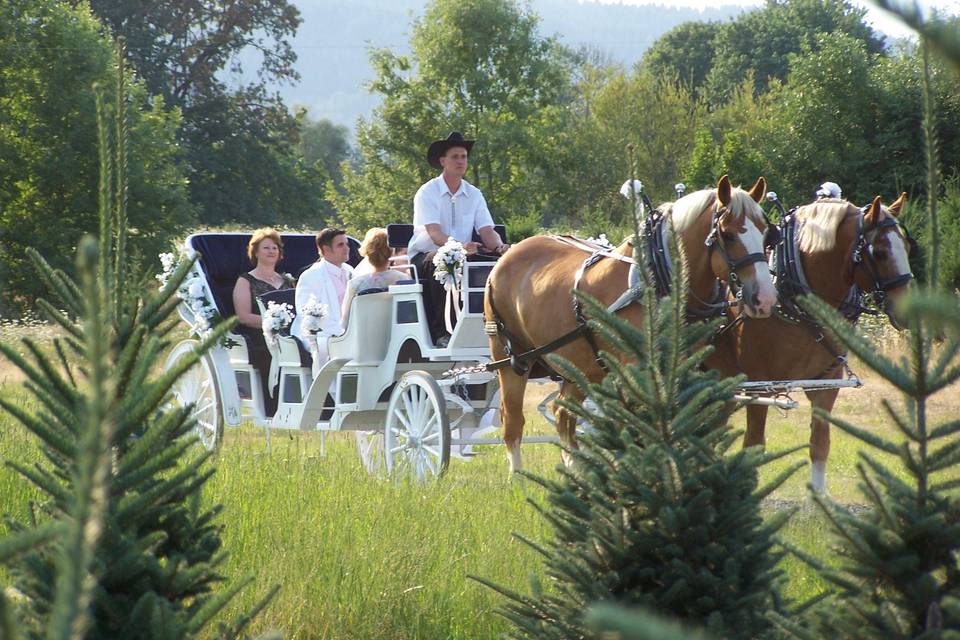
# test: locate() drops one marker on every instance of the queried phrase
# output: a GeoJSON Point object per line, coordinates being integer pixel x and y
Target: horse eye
{"type": "Point", "coordinates": [727, 236]}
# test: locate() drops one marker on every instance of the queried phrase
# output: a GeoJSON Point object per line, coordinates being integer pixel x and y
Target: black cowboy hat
{"type": "Point", "coordinates": [440, 147]}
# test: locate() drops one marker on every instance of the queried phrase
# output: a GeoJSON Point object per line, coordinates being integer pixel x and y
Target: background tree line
{"type": "Point", "coordinates": [799, 91]}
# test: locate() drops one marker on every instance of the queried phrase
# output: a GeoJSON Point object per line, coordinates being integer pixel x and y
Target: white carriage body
{"type": "Point", "coordinates": [386, 339]}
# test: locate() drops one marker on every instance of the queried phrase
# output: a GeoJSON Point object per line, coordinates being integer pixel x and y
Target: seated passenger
{"type": "Point", "coordinates": [265, 251]}
{"type": "Point", "coordinates": [326, 281]}
{"type": "Point", "coordinates": [376, 252]}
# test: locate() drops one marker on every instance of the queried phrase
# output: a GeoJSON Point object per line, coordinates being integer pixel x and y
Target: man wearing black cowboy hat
{"type": "Point", "coordinates": [448, 207]}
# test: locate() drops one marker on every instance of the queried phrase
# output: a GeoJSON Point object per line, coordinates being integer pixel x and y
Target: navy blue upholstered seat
{"type": "Point", "coordinates": [224, 258]}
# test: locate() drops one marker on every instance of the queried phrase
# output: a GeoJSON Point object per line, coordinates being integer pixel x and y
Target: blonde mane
{"type": "Point", "coordinates": [819, 224]}
{"type": "Point", "coordinates": [688, 209]}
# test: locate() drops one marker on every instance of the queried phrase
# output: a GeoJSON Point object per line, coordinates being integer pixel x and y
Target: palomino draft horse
{"type": "Point", "coordinates": [842, 251]}
{"type": "Point", "coordinates": [529, 295]}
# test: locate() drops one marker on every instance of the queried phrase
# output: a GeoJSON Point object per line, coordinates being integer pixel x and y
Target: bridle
{"type": "Point", "coordinates": [863, 259]}
{"type": "Point", "coordinates": [714, 242]}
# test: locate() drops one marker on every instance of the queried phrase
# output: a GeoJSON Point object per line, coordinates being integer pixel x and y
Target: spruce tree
{"type": "Point", "coordinates": [663, 508]}
{"type": "Point", "coordinates": [899, 561]}
{"type": "Point", "coordinates": [120, 545]}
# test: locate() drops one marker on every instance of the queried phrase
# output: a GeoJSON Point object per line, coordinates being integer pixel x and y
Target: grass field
{"type": "Point", "coordinates": [363, 558]}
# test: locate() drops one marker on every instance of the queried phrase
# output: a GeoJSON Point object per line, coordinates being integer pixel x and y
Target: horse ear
{"type": "Point", "coordinates": [758, 190]}
{"type": "Point", "coordinates": [724, 191]}
{"type": "Point", "coordinates": [895, 208]}
{"type": "Point", "coordinates": [873, 214]}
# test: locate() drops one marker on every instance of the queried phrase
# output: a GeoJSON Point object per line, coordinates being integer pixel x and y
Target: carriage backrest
{"type": "Point", "coordinates": [368, 328]}
{"type": "Point", "coordinates": [224, 258]}
{"type": "Point", "coordinates": [398, 235]}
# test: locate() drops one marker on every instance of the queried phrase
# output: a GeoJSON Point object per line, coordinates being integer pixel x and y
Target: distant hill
{"type": "Point", "coordinates": [333, 42]}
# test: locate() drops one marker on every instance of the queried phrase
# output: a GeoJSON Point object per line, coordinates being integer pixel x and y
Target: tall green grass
{"type": "Point", "coordinates": [360, 557]}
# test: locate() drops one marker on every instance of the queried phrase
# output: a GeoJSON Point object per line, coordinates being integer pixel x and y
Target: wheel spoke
{"type": "Point", "coordinates": [407, 398]}
{"type": "Point", "coordinates": [431, 464]}
{"type": "Point", "coordinates": [428, 428]}
{"type": "Point", "coordinates": [403, 418]}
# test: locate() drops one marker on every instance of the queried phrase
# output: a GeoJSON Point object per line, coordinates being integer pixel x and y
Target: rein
{"type": "Point", "coordinates": [522, 362]}
{"type": "Point", "coordinates": [791, 281]}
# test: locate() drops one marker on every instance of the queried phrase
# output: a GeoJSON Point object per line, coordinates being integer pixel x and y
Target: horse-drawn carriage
{"type": "Point", "coordinates": [384, 376]}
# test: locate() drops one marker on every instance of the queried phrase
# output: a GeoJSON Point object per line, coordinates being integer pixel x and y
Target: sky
{"type": "Point", "coordinates": [878, 18]}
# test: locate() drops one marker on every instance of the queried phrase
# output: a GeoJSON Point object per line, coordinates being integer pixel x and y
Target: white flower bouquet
{"type": "Point", "coordinates": [313, 314]}
{"type": "Point", "coordinates": [449, 264]}
{"type": "Point", "coordinates": [276, 318]}
{"type": "Point", "coordinates": [193, 292]}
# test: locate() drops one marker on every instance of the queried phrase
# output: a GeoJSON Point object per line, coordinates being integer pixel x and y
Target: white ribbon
{"type": "Point", "coordinates": [319, 352]}
{"type": "Point", "coordinates": [452, 293]}
{"type": "Point", "coordinates": [273, 346]}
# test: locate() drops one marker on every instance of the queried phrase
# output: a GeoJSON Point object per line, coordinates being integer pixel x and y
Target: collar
{"type": "Point", "coordinates": [332, 267]}
{"type": "Point", "coordinates": [462, 192]}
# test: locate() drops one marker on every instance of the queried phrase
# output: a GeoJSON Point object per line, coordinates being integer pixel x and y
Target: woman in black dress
{"type": "Point", "coordinates": [265, 251]}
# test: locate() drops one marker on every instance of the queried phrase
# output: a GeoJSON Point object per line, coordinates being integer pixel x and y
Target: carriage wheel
{"type": "Point", "coordinates": [370, 447]}
{"type": "Point", "coordinates": [198, 386]}
{"type": "Point", "coordinates": [416, 438]}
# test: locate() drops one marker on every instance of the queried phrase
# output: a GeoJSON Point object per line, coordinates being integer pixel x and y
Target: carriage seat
{"type": "Point", "coordinates": [288, 296]}
{"type": "Point", "coordinates": [398, 235]}
{"type": "Point", "coordinates": [223, 257]}
{"type": "Point", "coordinates": [367, 337]}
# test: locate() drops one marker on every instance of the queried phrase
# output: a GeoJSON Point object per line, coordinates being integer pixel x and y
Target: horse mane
{"type": "Point", "coordinates": [689, 208]}
{"type": "Point", "coordinates": [821, 220]}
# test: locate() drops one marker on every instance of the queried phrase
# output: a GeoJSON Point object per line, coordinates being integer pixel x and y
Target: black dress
{"type": "Point", "coordinates": [256, 344]}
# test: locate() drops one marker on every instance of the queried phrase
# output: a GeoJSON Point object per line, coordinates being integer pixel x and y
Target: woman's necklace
{"type": "Point", "coordinates": [270, 278]}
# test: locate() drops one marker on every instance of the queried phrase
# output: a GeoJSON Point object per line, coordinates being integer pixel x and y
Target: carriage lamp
{"type": "Point", "coordinates": [680, 188]}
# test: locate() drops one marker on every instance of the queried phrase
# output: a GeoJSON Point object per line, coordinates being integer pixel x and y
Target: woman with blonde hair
{"type": "Point", "coordinates": [376, 250]}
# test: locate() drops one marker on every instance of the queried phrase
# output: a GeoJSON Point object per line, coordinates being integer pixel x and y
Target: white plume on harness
{"type": "Point", "coordinates": [829, 190]}
{"type": "Point", "coordinates": [631, 190]}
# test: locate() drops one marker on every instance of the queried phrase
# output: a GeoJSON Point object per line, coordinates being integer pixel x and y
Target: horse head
{"type": "Point", "coordinates": [736, 244]}
{"type": "Point", "coordinates": [882, 257]}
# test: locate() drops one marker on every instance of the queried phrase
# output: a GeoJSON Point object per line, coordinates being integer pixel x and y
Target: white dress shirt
{"type": "Point", "coordinates": [319, 280]}
{"type": "Point", "coordinates": [458, 214]}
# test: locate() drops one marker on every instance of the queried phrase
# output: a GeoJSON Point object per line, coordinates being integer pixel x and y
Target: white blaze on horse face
{"type": "Point", "coordinates": [899, 253]}
{"type": "Point", "coordinates": [766, 292]}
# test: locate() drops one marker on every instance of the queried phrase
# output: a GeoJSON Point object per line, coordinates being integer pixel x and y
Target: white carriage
{"type": "Point", "coordinates": [384, 378]}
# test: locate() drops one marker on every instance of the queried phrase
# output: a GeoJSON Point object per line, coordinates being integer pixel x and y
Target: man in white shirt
{"type": "Point", "coordinates": [448, 207]}
{"type": "Point", "coordinates": [326, 280]}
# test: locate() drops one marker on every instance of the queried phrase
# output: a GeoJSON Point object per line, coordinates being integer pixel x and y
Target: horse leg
{"type": "Point", "coordinates": [820, 438]}
{"type": "Point", "coordinates": [512, 389]}
{"type": "Point", "coordinates": [756, 426]}
{"type": "Point", "coordinates": [567, 422]}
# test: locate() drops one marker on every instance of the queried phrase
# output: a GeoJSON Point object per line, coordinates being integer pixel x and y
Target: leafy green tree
{"type": "Point", "coordinates": [761, 41]}
{"type": "Point", "coordinates": [477, 66]}
{"type": "Point", "coordinates": [896, 81]}
{"type": "Point", "coordinates": [122, 547]}
{"type": "Point", "coordinates": [827, 117]}
{"type": "Point", "coordinates": [241, 143]}
{"type": "Point", "coordinates": [50, 55]}
{"type": "Point", "coordinates": [327, 143]}
{"type": "Point", "coordinates": [662, 510]}
{"type": "Point", "coordinates": [685, 53]}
